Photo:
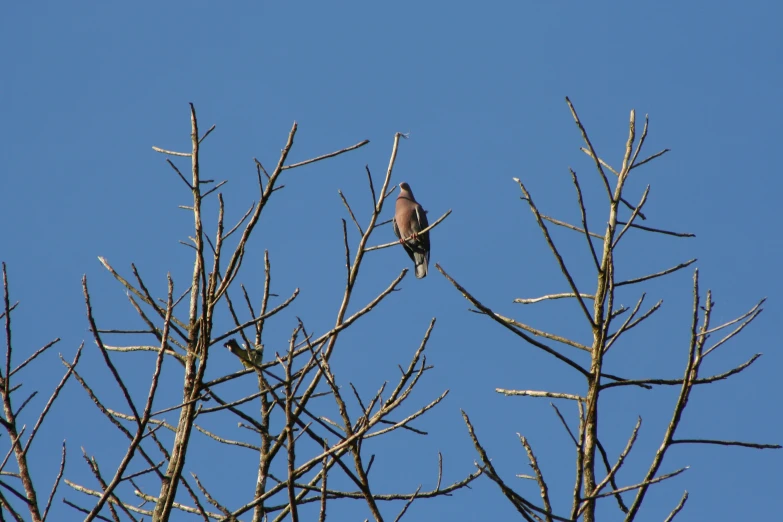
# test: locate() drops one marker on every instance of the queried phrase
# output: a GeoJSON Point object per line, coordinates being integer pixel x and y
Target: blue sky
{"type": "Point", "coordinates": [88, 88]}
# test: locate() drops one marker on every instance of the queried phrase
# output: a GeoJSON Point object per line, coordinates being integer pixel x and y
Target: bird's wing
{"type": "Point", "coordinates": [401, 225]}
{"type": "Point", "coordinates": [420, 223]}
{"type": "Point", "coordinates": [396, 228]}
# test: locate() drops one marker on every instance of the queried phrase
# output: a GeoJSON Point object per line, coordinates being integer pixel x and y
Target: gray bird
{"type": "Point", "coordinates": [249, 358]}
{"type": "Point", "coordinates": [409, 219]}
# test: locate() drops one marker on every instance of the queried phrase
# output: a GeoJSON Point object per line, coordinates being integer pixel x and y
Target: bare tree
{"type": "Point", "coordinates": [13, 499]}
{"type": "Point", "coordinates": [603, 316]}
{"type": "Point", "coordinates": [302, 427]}
{"type": "Point", "coordinates": [297, 439]}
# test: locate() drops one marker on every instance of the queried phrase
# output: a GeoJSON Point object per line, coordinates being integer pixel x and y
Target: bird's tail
{"type": "Point", "coordinates": [421, 261]}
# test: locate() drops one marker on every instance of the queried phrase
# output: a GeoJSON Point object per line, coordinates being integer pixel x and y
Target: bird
{"type": "Point", "coordinates": [409, 219]}
{"type": "Point", "coordinates": [250, 358]}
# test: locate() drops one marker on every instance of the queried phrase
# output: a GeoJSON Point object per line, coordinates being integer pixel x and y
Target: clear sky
{"type": "Point", "coordinates": [87, 88]}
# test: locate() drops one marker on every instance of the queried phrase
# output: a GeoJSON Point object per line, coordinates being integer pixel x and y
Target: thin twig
{"type": "Point", "coordinates": [552, 296]}
{"type": "Point", "coordinates": [602, 162]}
{"type": "Point", "coordinates": [325, 156]}
{"type": "Point", "coordinates": [583, 211]}
{"type": "Point", "coordinates": [678, 382]}
{"type": "Point", "coordinates": [475, 302]}
{"type": "Point", "coordinates": [590, 147]}
{"type": "Point", "coordinates": [647, 160]}
{"type": "Point", "coordinates": [734, 332]}
{"type": "Point", "coordinates": [372, 187]}
{"type": "Point", "coordinates": [657, 274]}
{"type": "Point", "coordinates": [546, 335]}
{"type": "Point", "coordinates": [345, 202]}
{"type": "Point", "coordinates": [171, 152]}
{"type": "Point", "coordinates": [38, 352]}
{"type": "Point", "coordinates": [646, 483]}
{"type": "Point", "coordinates": [539, 477]}
{"type": "Point", "coordinates": [635, 213]}
{"type": "Point", "coordinates": [533, 393]}
{"type": "Point", "coordinates": [553, 248]}
{"type": "Point", "coordinates": [570, 226]}
{"type": "Point", "coordinates": [620, 460]}
{"type": "Point", "coordinates": [677, 508]}
{"type": "Point", "coordinates": [565, 424]}
{"type": "Point", "coordinates": [209, 131]}
{"type": "Point", "coordinates": [658, 230]}
{"type": "Point", "coordinates": [727, 443]}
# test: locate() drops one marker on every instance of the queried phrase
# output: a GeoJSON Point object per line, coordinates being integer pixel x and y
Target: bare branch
{"type": "Point", "coordinates": [325, 156]}
{"type": "Point", "coordinates": [602, 162]}
{"type": "Point", "coordinates": [35, 354]}
{"type": "Point", "coordinates": [624, 326]}
{"type": "Point", "coordinates": [727, 443]}
{"type": "Point", "coordinates": [500, 320]}
{"type": "Point", "coordinates": [552, 296]}
{"type": "Point", "coordinates": [539, 477]}
{"type": "Point", "coordinates": [547, 335]}
{"type": "Point", "coordinates": [553, 248]}
{"type": "Point", "coordinates": [677, 508]}
{"type": "Point", "coordinates": [612, 481]}
{"type": "Point", "coordinates": [632, 324]}
{"type": "Point", "coordinates": [641, 141]}
{"type": "Point", "coordinates": [372, 187]}
{"type": "Point", "coordinates": [734, 332]}
{"type": "Point", "coordinates": [517, 501]}
{"type": "Point", "coordinates": [542, 394]}
{"type": "Point", "coordinates": [52, 398]}
{"type": "Point", "coordinates": [583, 211]}
{"type": "Point", "coordinates": [256, 320]}
{"type": "Point", "coordinates": [678, 382]}
{"type": "Point", "coordinates": [54, 486]}
{"type": "Point", "coordinates": [171, 153]}
{"type": "Point", "coordinates": [144, 419]}
{"type": "Point", "coordinates": [407, 504]}
{"type": "Point", "coordinates": [590, 147]}
{"type": "Point", "coordinates": [569, 226]}
{"type": "Point", "coordinates": [657, 230]}
{"type": "Point", "coordinates": [361, 232]}
{"type": "Point", "coordinates": [635, 213]}
{"type": "Point", "coordinates": [691, 373]}
{"type": "Point", "coordinates": [657, 274]}
{"type": "Point", "coordinates": [649, 159]}
{"type": "Point", "coordinates": [738, 319]}
{"type": "Point", "coordinates": [565, 425]}
{"type": "Point", "coordinates": [646, 483]}
{"type": "Point", "coordinates": [620, 460]}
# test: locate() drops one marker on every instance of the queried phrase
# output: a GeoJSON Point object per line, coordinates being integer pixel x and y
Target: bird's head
{"type": "Point", "coordinates": [404, 187]}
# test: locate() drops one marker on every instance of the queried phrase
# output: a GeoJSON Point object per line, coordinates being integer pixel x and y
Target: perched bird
{"type": "Point", "coordinates": [409, 219]}
{"type": "Point", "coordinates": [250, 358]}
